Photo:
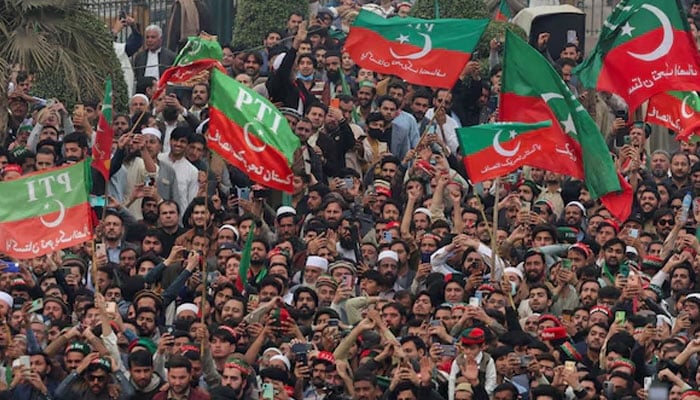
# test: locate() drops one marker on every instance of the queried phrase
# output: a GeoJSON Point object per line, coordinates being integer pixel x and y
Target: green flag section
{"type": "Point", "coordinates": [244, 266]}
{"type": "Point", "coordinates": [503, 12]}
{"type": "Point", "coordinates": [44, 212]}
{"type": "Point", "coordinates": [193, 63]}
{"type": "Point", "coordinates": [678, 111]}
{"type": "Point", "coordinates": [199, 48]}
{"type": "Point", "coordinates": [250, 133]}
{"type": "Point", "coordinates": [533, 91]}
{"type": "Point", "coordinates": [493, 150]}
{"type": "Point", "coordinates": [102, 148]}
{"type": "Point", "coordinates": [644, 48]}
{"type": "Point", "coordinates": [424, 52]}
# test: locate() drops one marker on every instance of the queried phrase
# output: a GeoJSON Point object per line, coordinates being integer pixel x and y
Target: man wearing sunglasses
{"type": "Point", "coordinates": [91, 379]}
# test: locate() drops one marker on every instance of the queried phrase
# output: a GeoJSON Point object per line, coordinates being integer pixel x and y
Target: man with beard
{"type": "Point", "coordinates": [332, 62]}
{"type": "Point", "coordinates": [539, 301]}
{"type": "Point", "coordinates": [404, 120]}
{"type": "Point", "coordinates": [400, 135]}
{"type": "Point", "coordinates": [649, 200]}
{"type": "Point", "coordinates": [552, 192]}
{"type": "Point", "coordinates": [152, 243]}
{"type": "Point", "coordinates": [113, 232]}
{"type": "Point", "coordinates": [419, 106]}
{"type": "Point", "coordinates": [660, 164]}
{"type": "Point", "coordinates": [285, 223]}
{"type": "Point", "coordinates": [179, 378]}
{"type": "Point", "coordinates": [90, 380]}
{"type": "Point", "coordinates": [365, 97]}
{"type": "Point", "coordinates": [200, 99]}
{"type": "Point", "coordinates": [235, 376]}
{"type": "Point", "coordinates": [315, 266]}
{"type": "Point", "coordinates": [682, 280]}
{"type": "Point", "coordinates": [35, 382]}
{"type": "Point", "coordinates": [321, 368]}
{"type": "Point", "coordinates": [590, 348]}
{"type": "Point", "coordinates": [146, 322]}
{"type": "Point", "coordinates": [169, 224]}
{"type": "Point", "coordinates": [222, 294]}
{"type": "Point", "coordinates": [308, 156]}
{"type": "Point", "coordinates": [614, 257]}
{"type": "Point", "coordinates": [166, 180]}
{"type": "Point", "coordinates": [187, 174]}
{"type": "Point", "coordinates": [663, 222]}
{"type": "Point", "coordinates": [348, 231]}
{"type": "Point", "coordinates": [680, 171]}
{"type": "Point", "coordinates": [201, 214]}
{"type": "Point", "coordinates": [174, 115]}
{"type": "Point", "coordinates": [589, 293]}
{"type": "Point", "coordinates": [534, 266]}
{"type": "Point", "coordinates": [252, 63]}
{"type": "Point", "coordinates": [574, 214]}
{"type": "Point", "coordinates": [141, 375]}
{"type": "Point", "coordinates": [305, 302]}
{"type": "Point", "coordinates": [388, 267]}
{"type": "Point", "coordinates": [335, 138]}
{"type": "Point", "coordinates": [234, 310]}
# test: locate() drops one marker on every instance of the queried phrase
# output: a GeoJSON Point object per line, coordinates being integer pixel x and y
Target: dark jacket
{"type": "Point", "coordinates": [165, 60]}
{"type": "Point", "coordinates": [283, 88]}
{"type": "Point", "coordinates": [195, 394]}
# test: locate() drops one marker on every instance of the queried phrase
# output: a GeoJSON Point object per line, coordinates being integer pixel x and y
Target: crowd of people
{"type": "Point", "coordinates": [377, 277]}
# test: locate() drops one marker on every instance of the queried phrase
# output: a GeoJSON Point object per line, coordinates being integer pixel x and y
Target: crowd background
{"type": "Point", "coordinates": [376, 278]}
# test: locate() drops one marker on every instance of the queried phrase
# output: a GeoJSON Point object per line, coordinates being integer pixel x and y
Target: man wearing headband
{"type": "Point", "coordinates": [235, 376]}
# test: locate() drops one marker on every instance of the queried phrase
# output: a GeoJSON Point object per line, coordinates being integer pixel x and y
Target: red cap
{"type": "Point", "coordinates": [12, 168]}
{"type": "Point", "coordinates": [558, 332]}
{"type": "Point", "coordinates": [549, 317]}
{"type": "Point", "coordinates": [612, 223]}
{"type": "Point", "coordinates": [326, 356]}
{"type": "Point", "coordinates": [601, 308]}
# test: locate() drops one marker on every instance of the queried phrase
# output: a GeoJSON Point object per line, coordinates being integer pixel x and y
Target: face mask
{"type": "Point", "coordinates": [307, 78]}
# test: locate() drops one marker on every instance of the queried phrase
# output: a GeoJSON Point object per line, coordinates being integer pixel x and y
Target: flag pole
{"type": "Point", "coordinates": [204, 261]}
{"type": "Point", "coordinates": [495, 225]}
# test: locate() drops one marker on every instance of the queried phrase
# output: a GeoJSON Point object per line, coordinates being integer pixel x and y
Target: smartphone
{"type": "Point", "coordinates": [425, 258]}
{"type": "Point", "coordinates": [525, 206]}
{"type": "Point", "coordinates": [525, 360]}
{"type": "Point", "coordinates": [620, 317]}
{"type": "Point", "coordinates": [435, 322]}
{"type": "Point", "coordinates": [79, 109]}
{"type": "Point", "coordinates": [335, 103]}
{"type": "Point", "coordinates": [571, 36]}
{"type": "Point", "coordinates": [98, 201]}
{"type": "Point", "coordinates": [566, 264]}
{"type": "Point", "coordinates": [100, 248]}
{"type": "Point", "coordinates": [149, 181]}
{"type": "Point", "coordinates": [333, 322]}
{"type": "Point", "coordinates": [37, 305]}
{"type": "Point", "coordinates": [111, 307]}
{"type": "Point", "coordinates": [647, 382]}
{"type": "Point", "coordinates": [479, 294]}
{"type": "Point", "coordinates": [122, 13]}
{"type": "Point", "coordinates": [268, 391]}
{"type": "Point", "coordinates": [348, 280]}
{"type": "Point", "coordinates": [300, 348]}
{"type": "Point", "coordinates": [387, 236]}
{"type": "Point", "coordinates": [566, 317]}
{"type": "Point", "coordinates": [348, 183]}
{"type": "Point", "coordinates": [570, 366]}
{"type": "Point", "coordinates": [609, 390]}
{"type": "Point", "coordinates": [626, 139]}
{"type": "Point", "coordinates": [253, 298]}
{"type": "Point", "coordinates": [243, 193]}
{"type": "Point", "coordinates": [303, 358]}
{"type": "Point", "coordinates": [24, 361]}
{"type": "Point", "coordinates": [12, 267]}
{"type": "Point", "coordinates": [448, 350]}
{"type": "Point", "coordinates": [634, 233]}
{"type": "Point", "coordinates": [658, 391]}
{"type": "Point", "coordinates": [475, 302]}
{"type": "Point", "coordinates": [625, 270]}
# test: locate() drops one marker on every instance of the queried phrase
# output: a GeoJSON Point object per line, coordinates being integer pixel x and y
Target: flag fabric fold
{"type": "Point", "coordinates": [580, 149]}
{"type": "Point", "coordinates": [493, 150]}
{"type": "Point", "coordinates": [678, 111]}
{"type": "Point", "coordinates": [414, 49]}
{"type": "Point", "coordinates": [644, 48]}
{"type": "Point", "coordinates": [102, 148]}
{"type": "Point", "coordinates": [503, 12]}
{"type": "Point", "coordinates": [244, 265]}
{"type": "Point", "coordinates": [250, 133]}
{"type": "Point", "coordinates": [54, 212]}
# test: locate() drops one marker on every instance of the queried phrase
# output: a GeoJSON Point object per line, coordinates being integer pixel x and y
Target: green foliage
{"type": "Point", "coordinates": [496, 29]}
{"type": "Point", "coordinates": [59, 82]}
{"type": "Point", "coordinates": [255, 17]}
{"type": "Point", "coordinates": [471, 9]}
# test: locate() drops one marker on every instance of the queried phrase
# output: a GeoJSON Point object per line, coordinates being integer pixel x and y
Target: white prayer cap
{"type": "Point", "coordinates": [152, 131]}
{"type": "Point", "coordinates": [515, 271]}
{"type": "Point", "coordinates": [423, 210]}
{"type": "Point", "coordinates": [186, 307]}
{"type": "Point", "coordinates": [141, 96]}
{"type": "Point", "coordinates": [7, 299]}
{"type": "Point", "coordinates": [286, 210]}
{"type": "Point", "coordinates": [388, 254]}
{"type": "Point", "coordinates": [282, 358]}
{"type": "Point", "coordinates": [317, 262]}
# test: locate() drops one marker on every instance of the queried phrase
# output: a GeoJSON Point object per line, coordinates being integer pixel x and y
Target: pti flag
{"type": "Point", "coordinates": [44, 212]}
{"type": "Point", "coordinates": [193, 63]}
{"type": "Point", "coordinates": [533, 91]}
{"type": "Point", "coordinates": [249, 132]}
{"type": "Point", "coordinates": [424, 52]}
{"type": "Point", "coordinates": [503, 12]}
{"type": "Point", "coordinates": [644, 48]}
{"type": "Point", "coordinates": [494, 150]}
{"type": "Point", "coordinates": [102, 148]}
{"type": "Point", "coordinates": [678, 111]}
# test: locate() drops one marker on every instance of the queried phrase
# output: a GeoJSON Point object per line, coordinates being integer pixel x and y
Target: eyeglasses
{"type": "Point", "coordinates": [668, 222]}
{"type": "Point", "coordinates": [97, 378]}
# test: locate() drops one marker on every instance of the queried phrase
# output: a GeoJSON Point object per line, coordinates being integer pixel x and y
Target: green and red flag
{"type": "Point", "coordinates": [533, 91]}
{"type": "Point", "coordinates": [250, 133]}
{"type": "Point", "coordinates": [244, 265]}
{"type": "Point", "coordinates": [644, 48]}
{"type": "Point", "coordinates": [424, 52]}
{"type": "Point", "coordinates": [503, 12]}
{"type": "Point", "coordinates": [493, 150]}
{"type": "Point", "coordinates": [45, 211]}
{"type": "Point", "coordinates": [678, 111]}
{"type": "Point", "coordinates": [102, 148]}
{"type": "Point", "coordinates": [192, 65]}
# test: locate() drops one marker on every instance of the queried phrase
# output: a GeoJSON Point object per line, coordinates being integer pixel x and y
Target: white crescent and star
{"type": "Point", "coordinates": [500, 150]}
{"type": "Point", "coordinates": [427, 47]}
{"type": "Point", "coordinates": [685, 114]}
{"type": "Point", "coordinates": [667, 41]}
{"type": "Point", "coordinates": [246, 137]}
{"type": "Point", "coordinates": [568, 123]}
{"type": "Point", "coordinates": [57, 221]}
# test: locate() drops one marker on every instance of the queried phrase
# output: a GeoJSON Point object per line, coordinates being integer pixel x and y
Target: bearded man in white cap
{"type": "Point", "coordinates": [388, 267]}
{"type": "Point", "coordinates": [315, 266]}
{"type": "Point", "coordinates": [6, 303]}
